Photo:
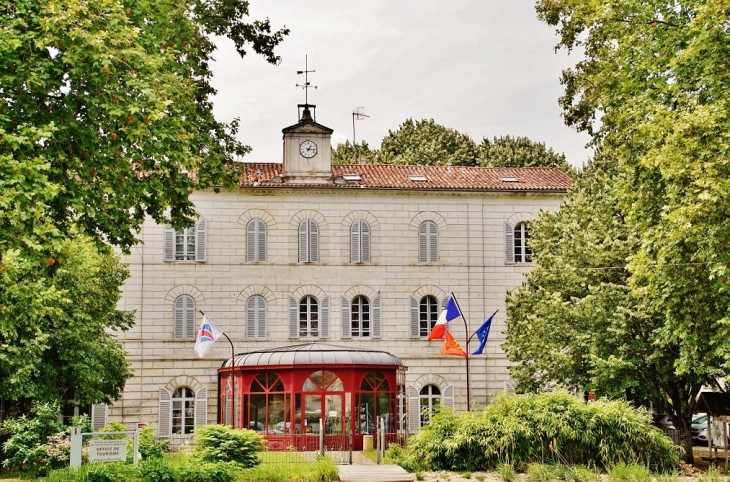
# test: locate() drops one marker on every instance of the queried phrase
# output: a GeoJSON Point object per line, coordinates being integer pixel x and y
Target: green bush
{"type": "Point", "coordinates": [149, 446]}
{"type": "Point", "coordinates": [221, 443]}
{"type": "Point", "coordinates": [24, 449]}
{"type": "Point", "coordinates": [554, 428]}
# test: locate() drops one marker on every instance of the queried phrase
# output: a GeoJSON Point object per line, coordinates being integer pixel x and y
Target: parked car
{"type": "Point", "coordinates": [664, 422]}
{"type": "Point", "coordinates": [699, 424]}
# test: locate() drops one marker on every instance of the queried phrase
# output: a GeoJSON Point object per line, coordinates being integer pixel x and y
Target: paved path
{"type": "Point", "coordinates": [365, 470]}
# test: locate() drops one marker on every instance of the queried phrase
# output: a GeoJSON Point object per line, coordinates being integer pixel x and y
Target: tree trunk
{"type": "Point", "coordinates": [686, 437]}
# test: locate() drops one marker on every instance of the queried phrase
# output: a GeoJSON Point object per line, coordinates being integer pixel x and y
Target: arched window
{"type": "Point", "coordinates": [308, 316]}
{"type": "Point", "coordinates": [308, 241]}
{"type": "Point", "coordinates": [360, 242]}
{"type": "Point", "coordinates": [428, 242]}
{"type": "Point", "coordinates": [256, 241]}
{"type": "Point", "coordinates": [183, 410]}
{"type": "Point", "coordinates": [374, 401]}
{"type": "Point", "coordinates": [256, 317]}
{"type": "Point", "coordinates": [360, 316]}
{"type": "Point", "coordinates": [184, 319]}
{"type": "Point", "coordinates": [267, 408]}
{"type": "Point", "coordinates": [428, 314]}
{"type": "Point", "coordinates": [522, 251]}
{"type": "Point", "coordinates": [430, 396]}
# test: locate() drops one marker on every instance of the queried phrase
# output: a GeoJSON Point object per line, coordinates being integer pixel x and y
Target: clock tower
{"type": "Point", "coordinates": [307, 150]}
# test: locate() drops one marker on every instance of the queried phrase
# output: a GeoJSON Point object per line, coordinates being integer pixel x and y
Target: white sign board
{"type": "Point", "coordinates": [107, 450]}
{"type": "Point", "coordinates": [717, 436]}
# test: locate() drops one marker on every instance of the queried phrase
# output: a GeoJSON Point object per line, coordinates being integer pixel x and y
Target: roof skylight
{"type": "Point", "coordinates": [418, 178]}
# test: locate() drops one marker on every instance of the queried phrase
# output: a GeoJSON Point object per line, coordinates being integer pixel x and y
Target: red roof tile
{"type": "Point", "coordinates": [457, 178]}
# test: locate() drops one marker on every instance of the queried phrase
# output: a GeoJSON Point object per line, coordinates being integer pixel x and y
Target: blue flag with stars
{"type": "Point", "coordinates": [483, 333]}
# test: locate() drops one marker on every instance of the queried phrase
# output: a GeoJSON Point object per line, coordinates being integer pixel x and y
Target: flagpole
{"type": "Point", "coordinates": [468, 338]}
{"type": "Point", "coordinates": [233, 374]}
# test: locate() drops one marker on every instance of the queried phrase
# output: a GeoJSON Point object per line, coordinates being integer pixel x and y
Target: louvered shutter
{"type": "Point", "coordinates": [261, 318]}
{"type": "Point", "coordinates": [99, 416]}
{"type": "Point", "coordinates": [179, 318]}
{"type": "Point", "coordinates": [324, 318]}
{"type": "Point", "coordinates": [164, 417]}
{"type": "Point", "coordinates": [346, 323]}
{"type": "Point", "coordinates": [414, 409]}
{"type": "Point", "coordinates": [423, 243]}
{"type": "Point", "coordinates": [415, 322]}
{"type": "Point", "coordinates": [169, 243]}
{"type": "Point", "coordinates": [442, 304]}
{"type": "Point", "coordinates": [509, 243]}
{"type": "Point", "coordinates": [228, 409]}
{"type": "Point", "coordinates": [448, 397]}
{"type": "Point", "coordinates": [293, 318]}
{"type": "Point", "coordinates": [355, 255]}
{"type": "Point", "coordinates": [201, 234]}
{"type": "Point", "coordinates": [303, 242]}
{"type": "Point", "coordinates": [313, 242]}
{"type": "Point", "coordinates": [189, 317]}
{"type": "Point", "coordinates": [261, 241]}
{"type": "Point", "coordinates": [433, 244]}
{"type": "Point", "coordinates": [251, 239]}
{"type": "Point", "coordinates": [251, 311]}
{"type": "Point", "coordinates": [377, 328]}
{"type": "Point", "coordinates": [364, 242]}
{"type": "Point", "coordinates": [201, 407]}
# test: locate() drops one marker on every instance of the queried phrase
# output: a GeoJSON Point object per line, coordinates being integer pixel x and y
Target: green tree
{"type": "Point", "coordinates": [345, 154]}
{"type": "Point", "coordinates": [106, 115]}
{"type": "Point", "coordinates": [427, 143]}
{"type": "Point", "coordinates": [574, 322]}
{"type": "Point", "coordinates": [656, 74]}
{"type": "Point", "coordinates": [61, 347]}
{"type": "Point", "coordinates": [508, 151]}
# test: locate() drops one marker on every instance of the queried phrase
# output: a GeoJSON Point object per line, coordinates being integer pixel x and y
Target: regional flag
{"type": "Point", "coordinates": [451, 347]}
{"type": "Point", "coordinates": [207, 335]}
{"type": "Point", "coordinates": [483, 333]}
{"type": "Point", "coordinates": [449, 312]}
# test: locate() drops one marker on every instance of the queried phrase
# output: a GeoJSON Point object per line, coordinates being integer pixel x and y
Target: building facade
{"type": "Point", "coordinates": [360, 256]}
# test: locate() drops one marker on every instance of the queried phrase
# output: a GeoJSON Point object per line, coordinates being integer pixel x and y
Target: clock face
{"type": "Point", "coordinates": [308, 149]}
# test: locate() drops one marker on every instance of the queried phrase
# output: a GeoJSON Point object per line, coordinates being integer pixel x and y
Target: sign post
{"type": "Point", "coordinates": [103, 450]}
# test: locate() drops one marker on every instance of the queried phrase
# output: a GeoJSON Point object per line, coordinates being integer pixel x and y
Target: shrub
{"type": "Point", "coordinates": [548, 428]}
{"type": "Point", "coordinates": [506, 472]}
{"type": "Point", "coordinates": [580, 473]}
{"type": "Point", "coordinates": [541, 472]}
{"type": "Point", "coordinates": [149, 446]}
{"type": "Point", "coordinates": [221, 443]}
{"type": "Point", "coordinates": [623, 472]}
{"type": "Point", "coordinates": [24, 449]}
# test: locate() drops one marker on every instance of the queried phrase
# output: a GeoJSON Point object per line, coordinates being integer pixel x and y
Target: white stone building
{"type": "Point", "coordinates": [351, 255]}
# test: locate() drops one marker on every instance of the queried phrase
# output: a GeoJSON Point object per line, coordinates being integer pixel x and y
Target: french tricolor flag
{"type": "Point", "coordinates": [450, 312]}
{"type": "Point", "coordinates": [207, 335]}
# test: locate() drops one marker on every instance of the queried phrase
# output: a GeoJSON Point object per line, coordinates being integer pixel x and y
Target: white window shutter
{"type": "Point", "coordinates": [201, 234]}
{"type": "Point", "coordinates": [415, 320]}
{"type": "Point", "coordinates": [377, 329]}
{"type": "Point", "coordinates": [293, 318]}
{"type": "Point", "coordinates": [251, 311]}
{"type": "Point", "coordinates": [423, 243]}
{"type": "Point", "coordinates": [99, 416]}
{"type": "Point", "coordinates": [261, 318]}
{"type": "Point", "coordinates": [509, 243]}
{"type": "Point", "coordinates": [364, 242]}
{"type": "Point", "coordinates": [313, 242]}
{"type": "Point", "coordinates": [261, 241]}
{"type": "Point", "coordinates": [442, 304]}
{"type": "Point", "coordinates": [189, 317]}
{"type": "Point", "coordinates": [355, 255]}
{"type": "Point", "coordinates": [169, 243]}
{"type": "Point", "coordinates": [179, 318]}
{"type": "Point", "coordinates": [304, 242]}
{"type": "Point", "coordinates": [414, 409]}
{"type": "Point", "coordinates": [228, 409]}
{"type": "Point", "coordinates": [346, 323]}
{"type": "Point", "coordinates": [324, 318]}
{"type": "Point", "coordinates": [448, 397]}
{"type": "Point", "coordinates": [164, 417]}
{"type": "Point", "coordinates": [433, 254]}
{"type": "Point", "coordinates": [251, 239]}
{"type": "Point", "coordinates": [201, 407]}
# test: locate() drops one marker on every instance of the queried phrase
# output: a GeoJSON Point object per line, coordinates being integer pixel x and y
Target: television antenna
{"type": "Point", "coordinates": [356, 115]}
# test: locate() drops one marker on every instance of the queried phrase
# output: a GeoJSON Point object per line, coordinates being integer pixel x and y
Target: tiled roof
{"type": "Point", "coordinates": [457, 178]}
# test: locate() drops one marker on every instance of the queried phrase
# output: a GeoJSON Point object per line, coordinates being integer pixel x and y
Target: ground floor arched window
{"type": "Point", "coordinates": [183, 410]}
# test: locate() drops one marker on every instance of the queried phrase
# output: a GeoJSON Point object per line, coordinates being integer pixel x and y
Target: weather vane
{"type": "Point", "coordinates": [306, 85]}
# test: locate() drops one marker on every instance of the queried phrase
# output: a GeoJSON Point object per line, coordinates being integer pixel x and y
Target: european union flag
{"type": "Point", "coordinates": [483, 333]}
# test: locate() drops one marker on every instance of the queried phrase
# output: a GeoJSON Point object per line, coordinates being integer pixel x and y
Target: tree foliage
{"type": "Point", "coordinates": [508, 151]}
{"type": "Point", "coordinates": [60, 347]}
{"type": "Point", "coordinates": [105, 110]}
{"type": "Point", "coordinates": [344, 153]}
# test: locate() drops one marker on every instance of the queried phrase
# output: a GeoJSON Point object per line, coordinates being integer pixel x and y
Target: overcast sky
{"type": "Point", "coordinates": [483, 67]}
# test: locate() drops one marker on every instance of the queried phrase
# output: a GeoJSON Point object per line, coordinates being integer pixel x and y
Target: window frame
{"type": "Point", "coordinates": [187, 323]}
{"type": "Point", "coordinates": [255, 325]}
{"type": "Point", "coordinates": [309, 332]}
{"type": "Point", "coordinates": [357, 329]}
{"type": "Point", "coordinates": [187, 413]}
{"type": "Point", "coordinates": [256, 241]}
{"type": "Point", "coordinates": [427, 410]}
{"type": "Point", "coordinates": [427, 318]}
{"type": "Point", "coordinates": [360, 242]}
{"type": "Point", "coordinates": [521, 251]}
{"type": "Point", "coordinates": [428, 242]}
{"type": "Point", "coordinates": [308, 241]}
